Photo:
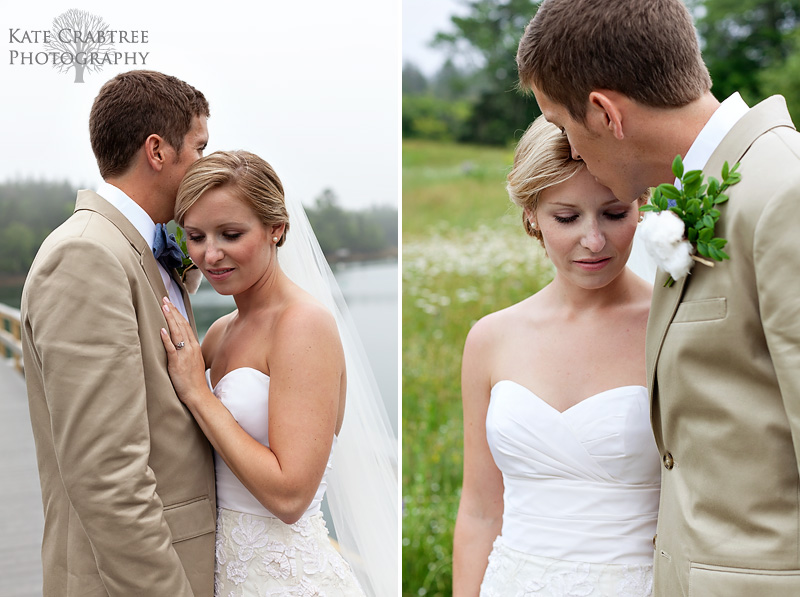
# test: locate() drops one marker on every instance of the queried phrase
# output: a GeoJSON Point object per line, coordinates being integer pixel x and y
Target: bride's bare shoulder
{"type": "Point", "coordinates": [498, 326]}
{"type": "Point", "coordinates": [305, 317]}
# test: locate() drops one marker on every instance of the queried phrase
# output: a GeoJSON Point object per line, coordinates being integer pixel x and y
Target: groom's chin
{"type": "Point", "coordinates": [631, 195]}
{"type": "Point", "coordinates": [625, 194]}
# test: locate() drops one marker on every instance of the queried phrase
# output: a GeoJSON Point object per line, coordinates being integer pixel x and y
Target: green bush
{"type": "Point", "coordinates": [428, 117]}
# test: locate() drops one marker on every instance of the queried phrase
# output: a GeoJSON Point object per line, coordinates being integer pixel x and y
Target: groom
{"type": "Point", "coordinates": [625, 81]}
{"type": "Point", "coordinates": [127, 476]}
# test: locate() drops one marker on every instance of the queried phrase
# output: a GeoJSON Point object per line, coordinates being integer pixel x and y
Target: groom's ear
{"type": "Point", "coordinates": [606, 110]}
{"type": "Point", "coordinates": [154, 150]}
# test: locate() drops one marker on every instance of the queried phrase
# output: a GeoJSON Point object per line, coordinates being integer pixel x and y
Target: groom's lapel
{"type": "Point", "coordinates": [662, 311]}
{"type": "Point", "coordinates": [89, 200]}
{"type": "Point", "coordinates": [186, 302]}
{"type": "Point", "coordinates": [769, 114]}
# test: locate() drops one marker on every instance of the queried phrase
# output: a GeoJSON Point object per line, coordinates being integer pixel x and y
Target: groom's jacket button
{"type": "Point", "coordinates": [669, 462]}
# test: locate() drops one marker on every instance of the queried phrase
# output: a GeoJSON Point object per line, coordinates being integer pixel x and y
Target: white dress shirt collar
{"type": "Point", "coordinates": [147, 228]}
{"type": "Point", "coordinates": [721, 122]}
{"type": "Point", "coordinates": [134, 212]}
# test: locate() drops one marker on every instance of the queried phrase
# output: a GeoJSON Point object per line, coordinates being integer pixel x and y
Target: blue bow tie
{"type": "Point", "coordinates": [166, 249]}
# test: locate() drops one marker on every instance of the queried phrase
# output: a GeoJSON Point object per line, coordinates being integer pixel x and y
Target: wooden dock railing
{"type": "Point", "coordinates": [10, 343]}
{"type": "Point", "coordinates": [22, 515]}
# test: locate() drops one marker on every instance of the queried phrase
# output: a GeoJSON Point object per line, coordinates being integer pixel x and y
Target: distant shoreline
{"type": "Point", "coordinates": [387, 253]}
{"type": "Point", "coordinates": [12, 280]}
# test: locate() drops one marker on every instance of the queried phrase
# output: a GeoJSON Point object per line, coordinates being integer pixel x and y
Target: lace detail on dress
{"type": "Point", "coordinates": [263, 557]}
{"type": "Point", "coordinates": [511, 573]}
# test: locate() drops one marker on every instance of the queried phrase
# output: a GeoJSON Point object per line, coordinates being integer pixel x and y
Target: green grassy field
{"type": "Point", "coordinates": [465, 254]}
{"type": "Point", "coordinates": [453, 186]}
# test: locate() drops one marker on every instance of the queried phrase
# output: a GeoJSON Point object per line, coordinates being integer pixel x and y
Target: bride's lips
{"type": "Point", "coordinates": [592, 265]}
{"type": "Point", "coordinates": [219, 274]}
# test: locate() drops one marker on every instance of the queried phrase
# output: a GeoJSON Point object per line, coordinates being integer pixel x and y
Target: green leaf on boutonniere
{"type": "Point", "coordinates": [677, 167]}
{"type": "Point", "coordinates": [670, 192]}
{"type": "Point", "coordinates": [180, 238]}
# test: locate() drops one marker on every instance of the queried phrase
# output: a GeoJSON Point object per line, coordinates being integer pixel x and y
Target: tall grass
{"type": "Point", "coordinates": [464, 255]}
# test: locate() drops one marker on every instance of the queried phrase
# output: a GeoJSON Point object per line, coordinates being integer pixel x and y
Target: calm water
{"type": "Point", "coordinates": [370, 290]}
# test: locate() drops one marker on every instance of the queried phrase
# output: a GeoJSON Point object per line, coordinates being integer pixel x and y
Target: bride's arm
{"type": "Point", "coordinates": [481, 509]}
{"type": "Point", "coordinates": [306, 374]}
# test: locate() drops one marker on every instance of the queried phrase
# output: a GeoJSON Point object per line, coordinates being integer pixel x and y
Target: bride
{"type": "Point", "coordinates": [561, 472]}
{"type": "Point", "coordinates": [270, 388]}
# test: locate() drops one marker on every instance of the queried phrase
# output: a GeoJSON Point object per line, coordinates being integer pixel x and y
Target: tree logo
{"type": "Point", "coordinates": [83, 36]}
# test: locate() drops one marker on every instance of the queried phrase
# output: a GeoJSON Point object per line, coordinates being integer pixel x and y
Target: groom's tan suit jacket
{"type": "Point", "coordinates": [723, 358]}
{"type": "Point", "coordinates": [127, 476]}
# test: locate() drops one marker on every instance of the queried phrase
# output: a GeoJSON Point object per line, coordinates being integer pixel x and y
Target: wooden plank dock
{"type": "Point", "coordinates": [21, 518]}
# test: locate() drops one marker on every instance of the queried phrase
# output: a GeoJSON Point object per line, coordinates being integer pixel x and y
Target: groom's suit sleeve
{"type": "Point", "coordinates": [776, 255]}
{"type": "Point", "coordinates": [87, 339]}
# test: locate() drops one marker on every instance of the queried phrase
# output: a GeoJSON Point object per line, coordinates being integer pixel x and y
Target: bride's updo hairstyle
{"type": "Point", "coordinates": [253, 179]}
{"type": "Point", "coordinates": [542, 160]}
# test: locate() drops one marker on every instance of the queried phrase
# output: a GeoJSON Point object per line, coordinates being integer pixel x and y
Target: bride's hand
{"type": "Point", "coordinates": [186, 366]}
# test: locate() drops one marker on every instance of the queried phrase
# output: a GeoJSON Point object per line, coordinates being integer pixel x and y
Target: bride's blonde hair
{"type": "Point", "coordinates": [255, 181]}
{"type": "Point", "coordinates": [542, 159]}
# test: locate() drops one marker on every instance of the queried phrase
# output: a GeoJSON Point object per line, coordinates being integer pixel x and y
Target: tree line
{"type": "Point", "coordinates": [750, 46]}
{"type": "Point", "coordinates": [352, 234]}
{"type": "Point", "coordinates": [30, 210]}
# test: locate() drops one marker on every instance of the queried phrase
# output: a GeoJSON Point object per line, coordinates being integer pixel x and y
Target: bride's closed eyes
{"type": "Point", "coordinates": [613, 216]}
{"type": "Point", "coordinates": [196, 237]}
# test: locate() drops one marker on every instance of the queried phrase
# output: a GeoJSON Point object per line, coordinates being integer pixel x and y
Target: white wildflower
{"type": "Point", "coordinates": [483, 255]}
{"type": "Point", "coordinates": [662, 233]}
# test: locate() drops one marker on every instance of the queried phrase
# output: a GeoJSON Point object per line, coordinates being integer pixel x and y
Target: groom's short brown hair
{"type": "Point", "coordinates": [645, 49]}
{"type": "Point", "coordinates": [134, 105]}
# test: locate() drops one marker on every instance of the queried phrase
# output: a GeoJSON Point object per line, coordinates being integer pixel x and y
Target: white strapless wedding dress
{"type": "Point", "coordinates": [581, 495]}
{"type": "Point", "coordinates": [257, 555]}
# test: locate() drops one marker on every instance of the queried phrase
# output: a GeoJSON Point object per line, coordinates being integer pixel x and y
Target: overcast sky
{"type": "Point", "coordinates": [422, 19]}
{"type": "Point", "coordinates": [313, 87]}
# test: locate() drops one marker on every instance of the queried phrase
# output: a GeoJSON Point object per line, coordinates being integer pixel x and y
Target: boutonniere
{"type": "Point", "coordinates": [189, 273]}
{"type": "Point", "coordinates": [679, 229]}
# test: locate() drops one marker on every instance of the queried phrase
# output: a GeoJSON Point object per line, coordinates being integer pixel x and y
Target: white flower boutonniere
{"type": "Point", "coordinates": [681, 229]}
{"type": "Point", "coordinates": [190, 274]}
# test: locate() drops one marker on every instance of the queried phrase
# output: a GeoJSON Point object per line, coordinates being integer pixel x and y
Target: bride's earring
{"type": "Point", "coordinates": [274, 239]}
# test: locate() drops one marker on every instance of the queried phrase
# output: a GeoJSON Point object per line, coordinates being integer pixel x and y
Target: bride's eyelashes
{"type": "Point", "coordinates": [615, 216]}
{"type": "Point", "coordinates": [565, 219]}
{"type": "Point", "coordinates": [226, 235]}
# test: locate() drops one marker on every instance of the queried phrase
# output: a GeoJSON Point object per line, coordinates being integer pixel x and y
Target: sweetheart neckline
{"type": "Point", "coordinates": [566, 410]}
{"type": "Point", "coordinates": [208, 377]}
{"type": "Point", "coordinates": [219, 381]}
